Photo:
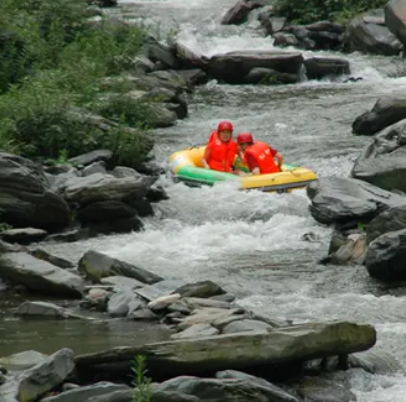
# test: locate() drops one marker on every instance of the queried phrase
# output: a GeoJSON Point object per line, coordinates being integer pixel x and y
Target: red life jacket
{"type": "Point", "coordinates": [263, 156]}
{"type": "Point", "coordinates": [222, 154]}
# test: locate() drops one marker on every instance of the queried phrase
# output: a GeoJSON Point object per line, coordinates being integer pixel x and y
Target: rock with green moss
{"type": "Point", "coordinates": [97, 265]}
{"type": "Point", "coordinates": [238, 351]}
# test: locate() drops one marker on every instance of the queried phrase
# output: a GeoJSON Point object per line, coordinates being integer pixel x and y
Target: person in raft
{"type": "Point", "coordinates": [221, 150]}
{"type": "Point", "coordinates": [258, 155]}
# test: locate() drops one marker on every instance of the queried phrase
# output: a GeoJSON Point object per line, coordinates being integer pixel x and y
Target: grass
{"type": "Point", "coordinates": [141, 383]}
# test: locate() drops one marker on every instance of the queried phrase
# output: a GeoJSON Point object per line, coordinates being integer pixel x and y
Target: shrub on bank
{"type": "Point", "coordinates": [309, 11]}
{"type": "Point", "coordinates": [52, 59]}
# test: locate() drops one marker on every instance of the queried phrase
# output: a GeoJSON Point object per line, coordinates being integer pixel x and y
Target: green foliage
{"type": "Point", "coordinates": [309, 11]}
{"type": "Point", "coordinates": [52, 59]}
{"type": "Point", "coordinates": [142, 391]}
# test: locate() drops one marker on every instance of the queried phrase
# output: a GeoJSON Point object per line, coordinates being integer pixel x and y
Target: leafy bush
{"type": "Point", "coordinates": [309, 11]}
{"type": "Point", "coordinates": [53, 59]}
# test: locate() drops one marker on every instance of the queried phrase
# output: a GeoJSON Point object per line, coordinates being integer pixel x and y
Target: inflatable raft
{"type": "Point", "coordinates": [186, 166]}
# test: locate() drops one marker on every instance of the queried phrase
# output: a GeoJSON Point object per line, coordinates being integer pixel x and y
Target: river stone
{"type": "Point", "coordinates": [319, 390]}
{"type": "Point", "coordinates": [52, 259]}
{"type": "Point", "coordinates": [163, 302]}
{"type": "Point", "coordinates": [43, 309]}
{"type": "Point", "coordinates": [40, 276]}
{"type": "Point", "coordinates": [383, 161]}
{"type": "Point", "coordinates": [233, 67]}
{"type": "Point", "coordinates": [101, 187]}
{"type": "Point", "coordinates": [83, 394]}
{"type": "Point", "coordinates": [375, 361]}
{"type": "Point", "coordinates": [245, 326]}
{"type": "Point", "coordinates": [279, 393]}
{"type": "Point", "coordinates": [210, 315]}
{"type": "Point", "coordinates": [196, 331]}
{"type": "Point", "coordinates": [96, 265]}
{"type": "Point", "coordinates": [31, 384]}
{"type": "Point", "coordinates": [95, 167]}
{"type": "Point", "coordinates": [194, 356]}
{"type": "Point", "coordinates": [224, 389]}
{"type": "Point", "coordinates": [342, 200]}
{"type": "Point", "coordinates": [122, 281]}
{"type": "Point", "coordinates": [321, 67]}
{"type": "Point", "coordinates": [238, 13]}
{"type": "Point", "coordinates": [23, 236]}
{"type": "Point", "coordinates": [364, 35]}
{"type": "Point", "coordinates": [386, 255]}
{"type": "Point", "coordinates": [120, 172]}
{"type": "Point", "coordinates": [118, 304]}
{"type": "Point", "coordinates": [385, 112]}
{"type": "Point", "coordinates": [72, 235]}
{"type": "Point", "coordinates": [160, 289]}
{"type": "Point", "coordinates": [25, 196]}
{"type": "Point", "coordinates": [197, 302]}
{"type": "Point", "coordinates": [98, 155]}
{"type": "Point", "coordinates": [395, 17]}
{"type": "Point", "coordinates": [391, 220]}
{"type": "Point", "coordinates": [23, 360]}
{"type": "Point", "coordinates": [155, 396]}
{"type": "Point", "coordinates": [203, 289]}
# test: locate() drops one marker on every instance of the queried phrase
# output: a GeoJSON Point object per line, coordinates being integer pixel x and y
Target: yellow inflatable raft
{"type": "Point", "coordinates": [186, 166]}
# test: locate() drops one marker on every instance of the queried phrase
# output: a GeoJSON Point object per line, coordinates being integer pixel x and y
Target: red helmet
{"type": "Point", "coordinates": [225, 125]}
{"type": "Point", "coordinates": [244, 138]}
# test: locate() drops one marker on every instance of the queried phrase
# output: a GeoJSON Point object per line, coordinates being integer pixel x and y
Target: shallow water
{"type": "Point", "coordinates": [251, 243]}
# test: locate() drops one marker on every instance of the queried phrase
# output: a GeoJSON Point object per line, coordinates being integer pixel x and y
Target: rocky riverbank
{"type": "Point", "coordinates": [218, 349]}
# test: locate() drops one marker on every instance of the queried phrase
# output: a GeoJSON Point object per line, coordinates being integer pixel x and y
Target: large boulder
{"type": "Point", "coordinates": [25, 197]}
{"type": "Point", "coordinates": [237, 351]}
{"type": "Point", "coordinates": [240, 11]}
{"type": "Point", "coordinates": [30, 385]}
{"type": "Point", "coordinates": [385, 112]}
{"type": "Point", "coordinates": [370, 35]}
{"type": "Point", "coordinates": [386, 255]}
{"type": "Point", "coordinates": [344, 200]}
{"type": "Point", "coordinates": [383, 161]}
{"type": "Point", "coordinates": [233, 67]}
{"type": "Point", "coordinates": [321, 67]}
{"type": "Point", "coordinates": [395, 18]}
{"type": "Point", "coordinates": [97, 265]}
{"type": "Point", "coordinates": [40, 276]}
{"type": "Point", "coordinates": [391, 220]}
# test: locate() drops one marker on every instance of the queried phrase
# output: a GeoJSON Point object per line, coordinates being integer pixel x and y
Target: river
{"type": "Point", "coordinates": [250, 243]}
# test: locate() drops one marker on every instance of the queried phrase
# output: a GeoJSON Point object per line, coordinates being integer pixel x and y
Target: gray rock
{"type": "Point", "coordinates": [72, 235]}
{"type": "Point", "coordinates": [279, 393]}
{"type": "Point", "coordinates": [96, 265]}
{"type": "Point", "coordinates": [122, 171]}
{"type": "Point", "coordinates": [35, 382]}
{"type": "Point", "coordinates": [268, 76]}
{"type": "Point", "coordinates": [365, 35]}
{"type": "Point", "coordinates": [383, 161]}
{"type": "Point", "coordinates": [40, 276]}
{"type": "Point", "coordinates": [196, 302]}
{"type": "Point", "coordinates": [395, 17]}
{"type": "Point", "coordinates": [25, 196]}
{"type": "Point", "coordinates": [161, 288]}
{"type": "Point", "coordinates": [58, 182]}
{"type": "Point", "coordinates": [391, 220]}
{"type": "Point", "coordinates": [233, 67]}
{"type": "Point", "coordinates": [376, 361]}
{"type": "Point", "coordinates": [38, 309]}
{"type": "Point", "coordinates": [52, 259]}
{"type": "Point", "coordinates": [117, 396]}
{"type": "Point", "coordinates": [196, 331]}
{"type": "Point", "coordinates": [225, 389]}
{"type": "Point", "coordinates": [23, 360]}
{"type": "Point", "coordinates": [341, 200]}
{"type": "Point", "coordinates": [118, 304]}
{"type": "Point", "coordinates": [103, 155]}
{"type": "Point", "coordinates": [385, 257]}
{"type": "Point", "coordinates": [95, 167]}
{"type": "Point", "coordinates": [190, 61]}
{"type": "Point", "coordinates": [246, 325]}
{"type": "Point", "coordinates": [321, 67]}
{"type": "Point", "coordinates": [238, 14]}
{"type": "Point", "coordinates": [83, 394]}
{"type": "Point", "coordinates": [23, 236]}
{"type": "Point", "coordinates": [156, 51]}
{"type": "Point", "coordinates": [122, 281]}
{"type": "Point", "coordinates": [202, 289]}
{"type": "Point", "coordinates": [385, 112]}
{"type": "Point", "coordinates": [319, 390]}
{"type": "Point", "coordinates": [99, 187]}
{"type": "Point", "coordinates": [285, 39]}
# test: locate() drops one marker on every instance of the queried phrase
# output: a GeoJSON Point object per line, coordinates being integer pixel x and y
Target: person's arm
{"type": "Point", "coordinates": [252, 166]}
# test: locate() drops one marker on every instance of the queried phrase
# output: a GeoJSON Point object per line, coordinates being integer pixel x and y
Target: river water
{"type": "Point", "coordinates": [250, 243]}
